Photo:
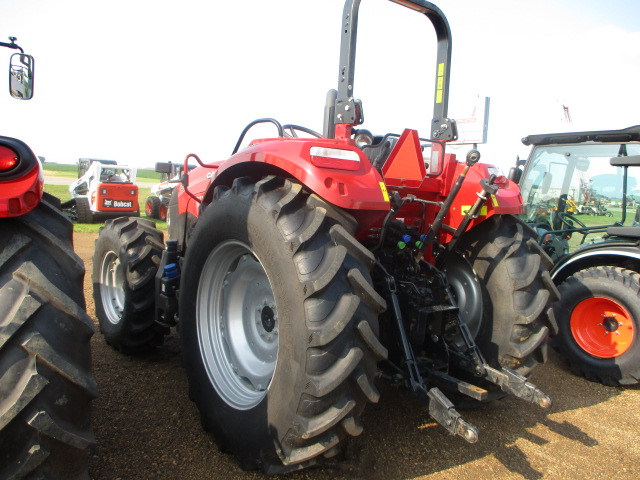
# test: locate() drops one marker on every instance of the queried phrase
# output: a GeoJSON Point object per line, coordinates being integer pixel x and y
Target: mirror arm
{"type": "Point", "coordinates": [13, 44]}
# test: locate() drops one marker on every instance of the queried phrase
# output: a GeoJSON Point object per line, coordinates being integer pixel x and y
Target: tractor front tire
{"type": "Point", "coordinates": [278, 319]}
{"type": "Point", "coordinates": [46, 380]}
{"type": "Point", "coordinates": [125, 262]}
{"type": "Point", "coordinates": [516, 314]}
{"type": "Point", "coordinates": [599, 319]}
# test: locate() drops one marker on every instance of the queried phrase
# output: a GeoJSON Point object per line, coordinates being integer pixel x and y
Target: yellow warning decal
{"type": "Point", "coordinates": [383, 188]}
{"type": "Point", "coordinates": [465, 208]}
{"type": "Point", "coordinates": [440, 84]}
{"type": "Point", "coordinates": [495, 200]}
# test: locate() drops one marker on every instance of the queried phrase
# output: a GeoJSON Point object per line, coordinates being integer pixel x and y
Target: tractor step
{"type": "Point", "coordinates": [443, 412]}
{"type": "Point", "coordinates": [512, 383]}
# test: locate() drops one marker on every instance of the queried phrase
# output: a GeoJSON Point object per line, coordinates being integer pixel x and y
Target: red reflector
{"type": "Point", "coordinates": [8, 159]}
{"type": "Point", "coordinates": [14, 206]}
{"type": "Point", "coordinates": [30, 199]}
{"type": "Point", "coordinates": [501, 180]}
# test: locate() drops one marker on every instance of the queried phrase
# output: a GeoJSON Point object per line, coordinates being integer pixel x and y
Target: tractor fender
{"type": "Point", "coordinates": [614, 253]}
{"type": "Point", "coordinates": [349, 184]}
{"type": "Point", "coordinates": [506, 200]}
{"type": "Point", "coordinates": [352, 183]}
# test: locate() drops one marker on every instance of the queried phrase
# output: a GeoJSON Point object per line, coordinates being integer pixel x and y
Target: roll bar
{"type": "Point", "coordinates": [348, 110]}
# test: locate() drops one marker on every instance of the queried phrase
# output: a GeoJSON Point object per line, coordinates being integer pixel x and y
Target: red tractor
{"type": "Point", "coordinates": [300, 269]}
{"type": "Point", "coordinates": [46, 380]}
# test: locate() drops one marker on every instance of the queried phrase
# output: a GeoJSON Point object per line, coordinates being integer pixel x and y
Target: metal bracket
{"type": "Point", "coordinates": [455, 384]}
{"type": "Point", "coordinates": [518, 386]}
{"type": "Point", "coordinates": [443, 412]}
{"type": "Point", "coordinates": [444, 129]}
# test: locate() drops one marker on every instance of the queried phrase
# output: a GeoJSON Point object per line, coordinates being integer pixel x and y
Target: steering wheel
{"type": "Point", "coordinates": [292, 129]}
{"type": "Point", "coordinates": [567, 218]}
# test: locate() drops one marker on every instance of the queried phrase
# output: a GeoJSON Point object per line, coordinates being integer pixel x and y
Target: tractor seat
{"type": "Point", "coordinates": [379, 151]}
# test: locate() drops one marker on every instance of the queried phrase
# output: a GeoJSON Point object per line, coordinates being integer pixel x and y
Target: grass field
{"type": "Point", "coordinates": [71, 171]}
{"type": "Point", "coordinates": [62, 192]}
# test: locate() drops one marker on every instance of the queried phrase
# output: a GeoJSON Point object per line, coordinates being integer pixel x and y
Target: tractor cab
{"type": "Point", "coordinates": [576, 186]}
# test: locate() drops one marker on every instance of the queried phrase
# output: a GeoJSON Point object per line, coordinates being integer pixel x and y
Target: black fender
{"type": "Point", "coordinates": [620, 252]}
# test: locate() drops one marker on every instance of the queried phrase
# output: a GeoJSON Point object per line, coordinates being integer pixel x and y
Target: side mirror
{"type": "Point", "coordinates": [515, 174]}
{"type": "Point", "coordinates": [21, 71]}
{"type": "Point", "coordinates": [164, 167]}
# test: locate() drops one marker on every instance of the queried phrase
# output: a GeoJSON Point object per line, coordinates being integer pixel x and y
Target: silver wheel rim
{"type": "Point", "coordinates": [237, 324]}
{"type": "Point", "coordinates": [111, 287]}
{"type": "Point", "coordinates": [468, 294]}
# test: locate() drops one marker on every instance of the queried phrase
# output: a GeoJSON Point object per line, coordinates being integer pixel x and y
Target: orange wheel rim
{"type": "Point", "coordinates": [602, 327]}
{"type": "Point", "coordinates": [148, 208]}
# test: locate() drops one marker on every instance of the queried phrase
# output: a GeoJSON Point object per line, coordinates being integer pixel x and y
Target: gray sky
{"type": "Point", "coordinates": [141, 81]}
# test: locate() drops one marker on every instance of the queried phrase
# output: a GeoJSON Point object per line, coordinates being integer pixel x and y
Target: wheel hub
{"type": "Point", "coordinates": [267, 315]}
{"type": "Point", "coordinates": [468, 294]}
{"type": "Point", "coordinates": [112, 279]}
{"type": "Point", "coordinates": [611, 324]}
{"type": "Point", "coordinates": [602, 327]}
{"type": "Point", "coordinates": [237, 324]}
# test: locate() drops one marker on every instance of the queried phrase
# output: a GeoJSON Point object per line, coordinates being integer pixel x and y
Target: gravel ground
{"type": "Point", "coordinates": [146, 428]}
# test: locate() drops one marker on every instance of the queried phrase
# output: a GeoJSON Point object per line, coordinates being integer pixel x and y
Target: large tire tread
{"type": "Point", "coordinates": [44, 349]}
{"type": "Point", "coordinates": [334, 365]}
{"type": "Point", "coordinates": [522, 321]}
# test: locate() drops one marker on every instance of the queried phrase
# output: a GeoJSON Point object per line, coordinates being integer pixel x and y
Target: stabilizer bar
{"type": "Point", "coordinates": [443, 411]}
{"type": "Point", "coordinates": [517, 385]}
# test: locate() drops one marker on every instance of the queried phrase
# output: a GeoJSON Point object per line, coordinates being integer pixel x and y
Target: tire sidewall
{"type": "Point", "coordinates": [108, 241]}
{"type": "Point", "coordinates": [235, 217]}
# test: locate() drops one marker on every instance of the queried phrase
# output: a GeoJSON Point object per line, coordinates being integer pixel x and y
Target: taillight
{"type": "Point", "coordinates": [8, 159]}
{"type": "Point", "coordinates": [325, 157]}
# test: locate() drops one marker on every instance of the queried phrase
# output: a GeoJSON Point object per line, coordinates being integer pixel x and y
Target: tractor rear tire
{"type": "Point", "coordinates": [85, 215]}
{"type": "Point", "coordinates": [518, 293]}
{"type": "Point", "coordinates": [46, 380]}
{"type": "Point", "coordinates": [152, 207]}
{"type": "Point", "coordinates": [163, 210]}
{"type": "Point", "coordinates": [125, 262]}
{"type": "Point", "coordinates": [599, 319]}
{"type": "Point", "coordinates": [278, 319]}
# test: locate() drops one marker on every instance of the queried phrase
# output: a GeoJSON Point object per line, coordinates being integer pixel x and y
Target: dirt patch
{"type": "Point", "coordinates": [146, 427]}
